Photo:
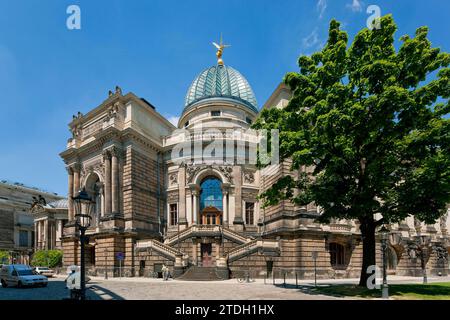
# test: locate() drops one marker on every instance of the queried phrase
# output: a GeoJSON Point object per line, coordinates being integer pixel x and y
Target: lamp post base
{"type": "Point", "coordinates": [385, 291]}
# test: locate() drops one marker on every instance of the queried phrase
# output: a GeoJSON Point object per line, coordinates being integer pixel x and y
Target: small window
{"type": "Point", "coordinates": [250, 213]}
{"type": "Point", "coordinates": [173, 214]}
{"type": "Point", "coordinates": [23, 238]}
{"type": "Point", "coordinates": [186, 124]}
{"type": "Point", "coordinates": [248, 120]}
{"type": "Point", "coordinates": [215, 113]}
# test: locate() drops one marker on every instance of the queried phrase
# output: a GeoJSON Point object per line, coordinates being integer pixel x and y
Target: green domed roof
{"type": "Point", "coordinates": [221, 82]}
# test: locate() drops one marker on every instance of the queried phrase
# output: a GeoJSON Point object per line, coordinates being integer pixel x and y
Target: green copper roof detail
{"type": "Point", "coordinates": [221, 82]}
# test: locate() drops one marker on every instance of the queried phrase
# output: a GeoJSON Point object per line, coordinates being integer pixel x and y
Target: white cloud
{"type": "Point", "coordinates": [321, 6]}
{"type": "Point", "coordinates": [173, 120]}
{"type": "Point", "coordinates": [355, 6]}
{"type": "Point", "coordinates": [311, 40]}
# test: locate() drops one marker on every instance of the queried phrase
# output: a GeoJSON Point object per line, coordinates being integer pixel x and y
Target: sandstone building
{"type": "Point", "coordinates": [18, 233]}
{"type": "Point", "coordinates": [158, 200]}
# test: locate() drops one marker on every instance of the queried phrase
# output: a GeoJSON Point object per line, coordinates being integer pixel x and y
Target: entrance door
{"type": "Point", "coordinates": [206, 254]}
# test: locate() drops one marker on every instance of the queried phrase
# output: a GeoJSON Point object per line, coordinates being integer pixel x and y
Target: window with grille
{"type": "Point", "coordinates": [249, 213]}
{"type": "Point", "coordinates": [337, 256]}
{"type": "Point", "coordinates": [173, 214]}
{"type": "Point", "coordinates": [215, 113]}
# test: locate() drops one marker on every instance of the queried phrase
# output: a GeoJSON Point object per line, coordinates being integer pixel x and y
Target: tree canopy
{"type": "Point", "coordinates": [373, 123]}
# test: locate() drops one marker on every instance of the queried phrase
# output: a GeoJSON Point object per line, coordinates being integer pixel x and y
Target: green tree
{"type": "Point", "coordinates": [4, 256]}
{"type": "Point", "coordinates": [374, 125]}
{"type": "Point", "coordinates": [50, 258]}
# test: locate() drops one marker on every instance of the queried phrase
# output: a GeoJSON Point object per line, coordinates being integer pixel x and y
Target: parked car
{"type": "Point", "coordinates": [21, 275]}
{"type": "Point", "coordinates": [44, 271]}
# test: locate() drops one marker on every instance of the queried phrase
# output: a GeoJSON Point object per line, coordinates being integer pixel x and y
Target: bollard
{"type": "Point", "coordinates": [296, 280]}
{"type": "Point", "coordinates": [284, 279]}
{"type": "Point", "coordinates": [273, 278]}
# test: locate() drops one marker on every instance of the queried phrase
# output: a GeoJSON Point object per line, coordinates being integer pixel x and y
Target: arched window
{"type": "Point", "coordinates": [211, 194]}
{"type": "Point", "coordinates": [93, 187]}
{"type": "Point", "coordinates": [337, 256]}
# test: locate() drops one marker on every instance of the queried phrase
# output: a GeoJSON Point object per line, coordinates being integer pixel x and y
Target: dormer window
{"type": "Point", "coordinates": [215, 113]}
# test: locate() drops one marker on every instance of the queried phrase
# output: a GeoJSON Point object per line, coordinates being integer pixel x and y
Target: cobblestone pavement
{"type": "Point", "coordinates": [156, 289]}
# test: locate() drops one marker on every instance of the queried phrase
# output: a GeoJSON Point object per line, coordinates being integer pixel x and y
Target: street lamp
{"type": "Point", "coordinates": [424, 243]}
{"type": "Point", "coordinates": [384, 243]}
{"type": "Point", "coordinates": [84, 206]}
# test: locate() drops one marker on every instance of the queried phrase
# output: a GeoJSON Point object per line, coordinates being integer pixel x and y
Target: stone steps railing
{"type": "Point", "coordinates": [206, 230]}
{"type": "Point", "coordinates": [269, 247]}
{"type": "Point", "coordinates": [167, 251]}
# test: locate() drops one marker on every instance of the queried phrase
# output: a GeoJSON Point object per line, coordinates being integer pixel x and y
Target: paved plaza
{"type": "Point", "coordinates": [157, 289]}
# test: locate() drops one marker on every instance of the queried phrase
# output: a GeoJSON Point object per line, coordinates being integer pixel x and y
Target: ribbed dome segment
{"type": "Point", "coordinates": [221, 81]}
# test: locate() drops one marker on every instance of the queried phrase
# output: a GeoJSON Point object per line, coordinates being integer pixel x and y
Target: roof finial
{"type": "Point", "coordinates": [219, 52]}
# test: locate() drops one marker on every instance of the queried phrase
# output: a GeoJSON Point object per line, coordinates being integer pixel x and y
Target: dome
{"type": "Point", "coordinates": [221, 82]}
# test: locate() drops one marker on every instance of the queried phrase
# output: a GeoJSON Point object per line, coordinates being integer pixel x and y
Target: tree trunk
{"type": "Point", "coordinates": [367, 227]}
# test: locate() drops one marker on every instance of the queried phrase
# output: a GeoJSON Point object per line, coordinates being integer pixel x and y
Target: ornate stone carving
{"type": "Point", "coordinates": [441, 252]}
{"type": "Point", "coordinates": [191, 171]}
{"type": "Point", "coordinates": [227, 172]}
{"type": "Point", "coordinates": [443, 223]}
{"type": "Point", "coordinates": [115, 152]}
{"type": "Point", "coordinates": [173, 178]}
{"type": "Point", "coordinates": [106, 154]}
{"type": "Point", "coordinates": [76, 131]}
{"type": "Point", "coordinates": [249, 177]}
{"type": "Point", "coordinates": [417, 224]}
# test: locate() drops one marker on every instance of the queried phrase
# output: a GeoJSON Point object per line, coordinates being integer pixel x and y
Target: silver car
{"type": "Point", "coordinates": [21, 275]}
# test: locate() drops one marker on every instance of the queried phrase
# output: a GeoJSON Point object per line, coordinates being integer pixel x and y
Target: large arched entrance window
{"type": "Point", "coordinates": [94, 188]}
{"type": "Point", "coordinates": [211, 205]}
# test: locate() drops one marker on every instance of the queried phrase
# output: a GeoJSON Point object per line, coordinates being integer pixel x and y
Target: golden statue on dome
{"type": "Point", "coordinates": [219, 52]}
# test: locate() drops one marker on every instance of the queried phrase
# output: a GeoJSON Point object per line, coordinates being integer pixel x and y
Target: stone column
{"type": "Point", "coordinates": [237, 178]}
{"type": "Point", "coordinates": [46, 234]}
{"type": "Point", "coordinates": [70, 194]}
{"type": "Point", "coordinates": [107, 161]}
{"type": "Point", "coordinates": [38, 241]}
{"type": "Point", "coordinates": [189, 206]}
{"type": "Point", "coordinates": [182, 195]}
{"type": "Point", "coordinates": [76, 179]}
{"type": "Point", "coordinates": [225, 188]}
{"type": "Point", "coordinates": [195, 206]}
{"type": "Point", "coordinates": [36, 235]}
{"type": "Point", "coordinates": [115, 180]}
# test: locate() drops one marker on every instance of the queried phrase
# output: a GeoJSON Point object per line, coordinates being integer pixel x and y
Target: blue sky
{"type": "Point", "coordinates": [154, 49]}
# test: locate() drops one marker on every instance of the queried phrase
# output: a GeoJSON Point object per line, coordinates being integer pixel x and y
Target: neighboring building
{"type": "Point", "coordinates": [158, 203]}
{"type": "Point", "coordinates": [49, 221]}
{"type": "Point", "coordinates": [17, 234]}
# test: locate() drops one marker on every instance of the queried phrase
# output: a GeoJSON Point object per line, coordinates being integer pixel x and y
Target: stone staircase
{"type": "Point", "coordinates": [195, 273]}
{"type": "Point", "coordinates": [206, 231]}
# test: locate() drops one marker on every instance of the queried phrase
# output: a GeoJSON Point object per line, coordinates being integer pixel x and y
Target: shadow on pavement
{"type": "Point", "coordinates": [55, 290]}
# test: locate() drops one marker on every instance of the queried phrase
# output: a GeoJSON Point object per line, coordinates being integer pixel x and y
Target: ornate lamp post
{"type": "Point", "coordinates": [423, 242]}
{"type": "Point", "coordinates": [384, 244]}
{"type": "Point", "coordinates": [83, 208]}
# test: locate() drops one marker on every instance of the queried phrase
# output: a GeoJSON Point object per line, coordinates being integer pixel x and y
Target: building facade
{"type": "Point", "coordinates": [187, 196]}
{"type": "Point", "coordinates": [18, 235]}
